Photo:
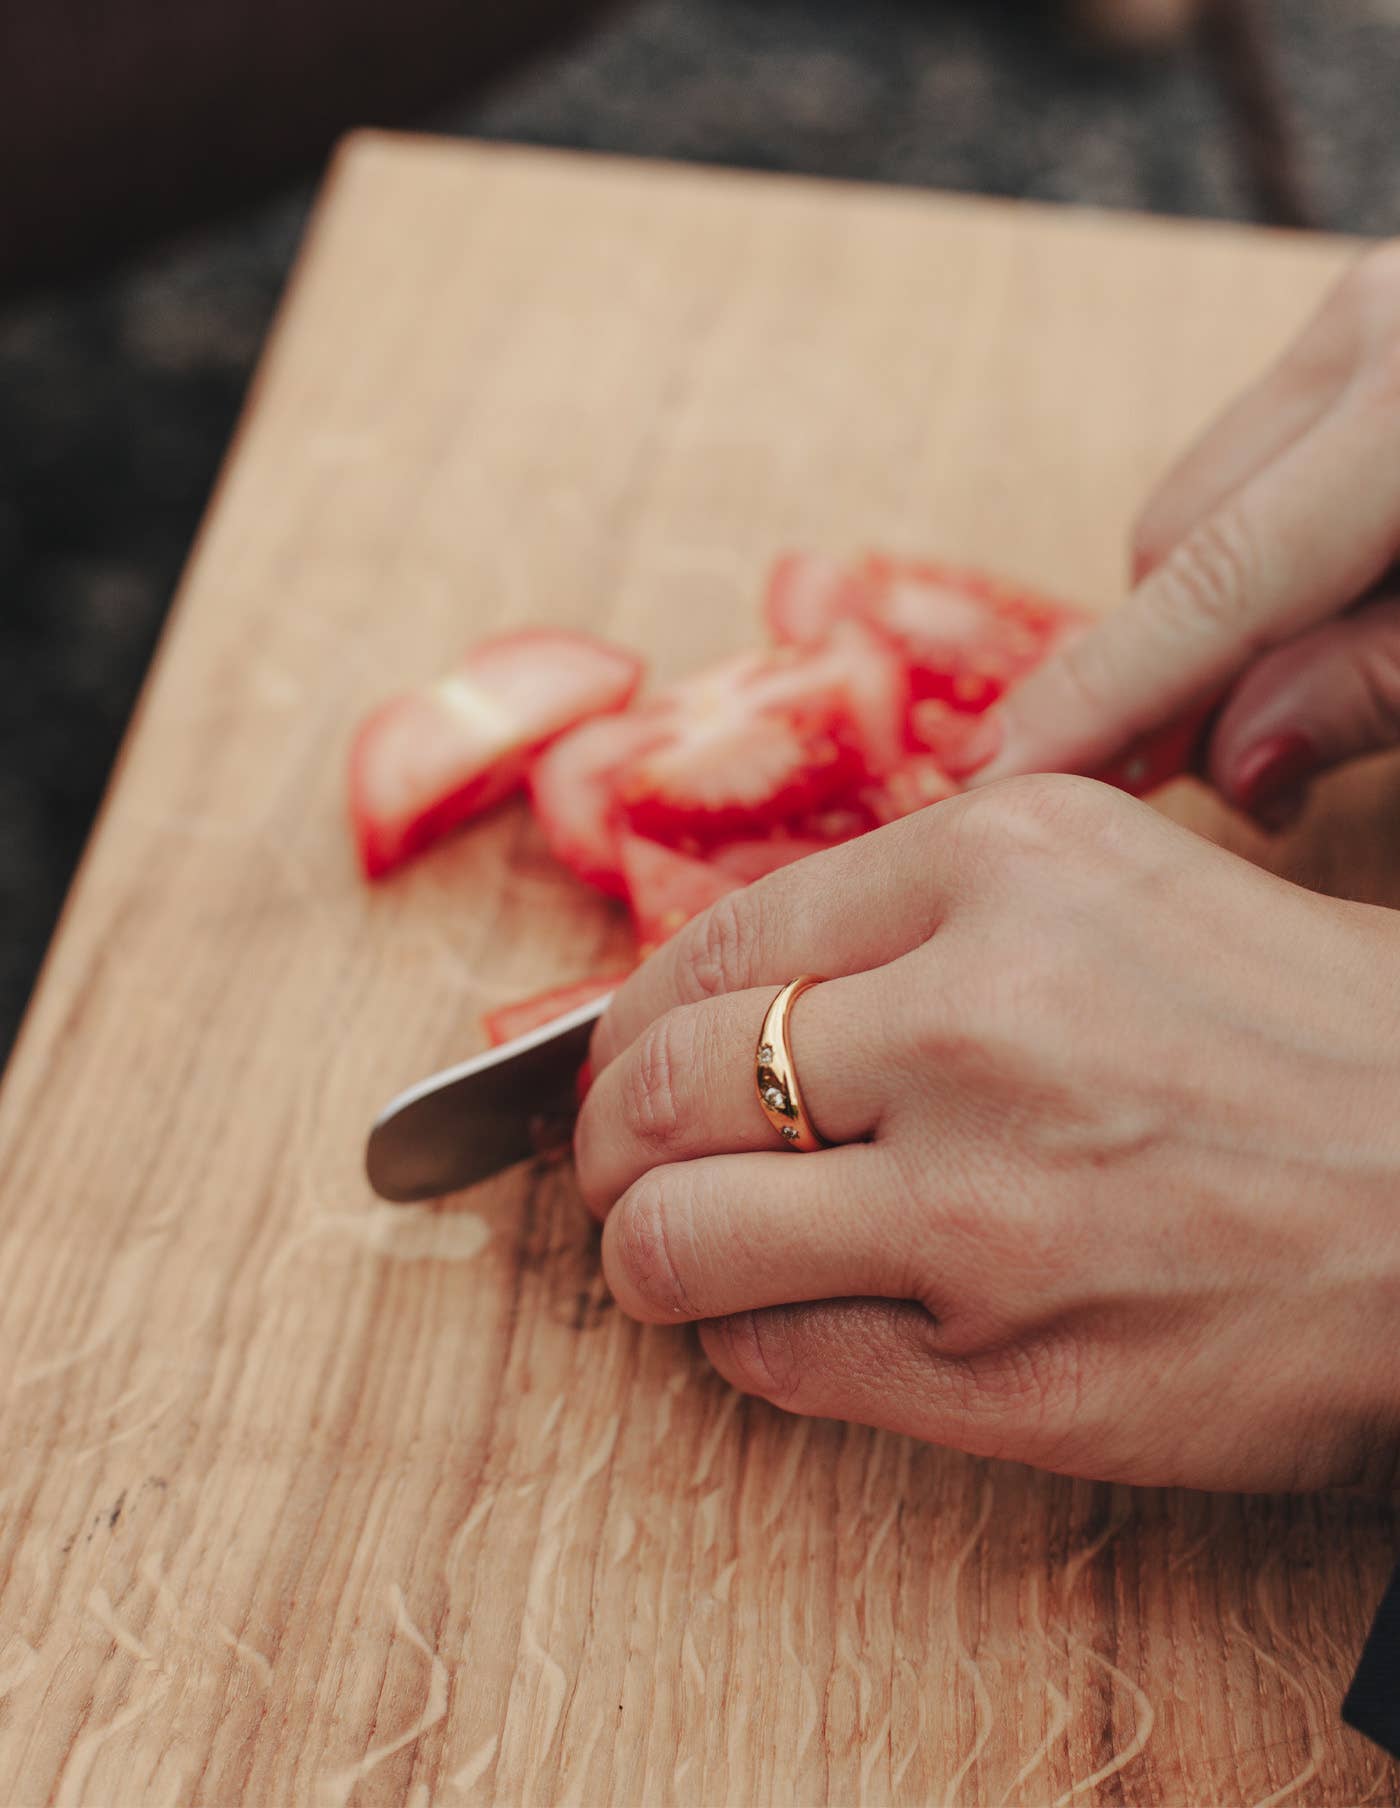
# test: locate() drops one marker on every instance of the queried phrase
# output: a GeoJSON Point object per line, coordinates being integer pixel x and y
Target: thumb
{"type": "Point", "coordinates": [1328, 696]}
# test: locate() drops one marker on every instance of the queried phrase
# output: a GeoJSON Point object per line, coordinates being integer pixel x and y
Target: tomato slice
{"type": "Point", "coordinates": [439, 755]}
{"type": "Point", "coordinates": [807, 595]}
{"type": "Point", "coordinates": [754, 856]}
{"type": "Point", "coordinates": [768, 736]}
{"type": "Point", "coordinates": [920, 781]}
{"type": "Point", "coordinates": [964, 636]}
{"type": "Point", "coordinates": [573, 787]}
{"type": "Point", "coordinates": [668, 888]}
{"type": "Point", "coordinates": [513, 1020]}
{"type": "Point", "coordinates": [937, 728]}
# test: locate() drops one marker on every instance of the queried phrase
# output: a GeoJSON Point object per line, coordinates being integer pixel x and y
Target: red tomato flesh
{"type": "Point", "coordinates": [667, 889]}
{"type": "Point", "coordinates": [573, 787]}
{"type": "Point", "coordinates": [964, 636]}
{"type": "Point", "coordinates": [855, 719]}
{"type": "Point", "coordinates": [918, 782]}
{"type": "Point", "coordinates": [432, 759]}
{"type": "Point", "coordinates": [514, 1020]}
{"type": "Point", "coordinates": [763, 738]}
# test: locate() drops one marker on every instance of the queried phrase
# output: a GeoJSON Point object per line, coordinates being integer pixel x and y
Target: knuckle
{"type": "Point", "coordinates": [651, 1104]}
{"type": "Point", "coordinates": [1040, 814]}
{"type": "Point", "coordinates": [754, 1352]}
{"type": "Point", "coordinates": [719, 945]}
{"type": "Point", "coordinates": [642, 1241]}
{"type": "Point", "coordinates": [1205, 583]}
{"type": "Point", "coordinates": [961, 1025]}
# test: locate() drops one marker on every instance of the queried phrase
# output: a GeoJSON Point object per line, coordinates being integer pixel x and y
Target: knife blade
{"type": "Point", "coordinates": [473, 1120]}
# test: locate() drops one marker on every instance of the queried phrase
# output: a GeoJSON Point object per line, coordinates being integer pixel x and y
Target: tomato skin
{"type": "Point", "coordinates": [573, 790]}
{"type": "Point", "coordinates": [510, 1021]}
{"type": "Point", "coordinates": [806, 594]}
{"type": "Point", "coordinates": [387, 838]}
{"type": "Point", "coordinates": [429, 760]}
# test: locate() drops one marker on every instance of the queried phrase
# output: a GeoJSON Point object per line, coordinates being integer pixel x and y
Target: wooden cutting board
{"type": "Point", "coordinates": [307, 1499]}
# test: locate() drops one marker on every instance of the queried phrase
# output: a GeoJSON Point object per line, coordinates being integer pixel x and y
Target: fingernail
{"type": "Point", "coordinates": [983, 741]}
{"type": "Point", "coordinates": [1271, 778]}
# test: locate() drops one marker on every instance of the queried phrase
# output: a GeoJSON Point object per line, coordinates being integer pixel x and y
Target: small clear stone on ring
{"type": "Point", "coordinates": [765, 1054]}
{"type": "Point", "coordinates": [775, 1097]}
{"type": "Point", "coordinates": [790, 1132]}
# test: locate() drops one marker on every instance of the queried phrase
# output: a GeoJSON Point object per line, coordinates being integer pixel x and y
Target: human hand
{"type": "Point", "coordinates": [1120, 1186]}
{"type": "Point", "coordinates": [1266, 570]}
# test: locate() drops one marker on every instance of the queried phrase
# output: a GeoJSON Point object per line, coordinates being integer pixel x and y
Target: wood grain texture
{"type": "Point", "coordinates": [306, 1499]}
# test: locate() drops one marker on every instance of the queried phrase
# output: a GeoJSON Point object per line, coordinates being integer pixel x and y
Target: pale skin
{"type": "Point", "coordinates": [1117, 1183]}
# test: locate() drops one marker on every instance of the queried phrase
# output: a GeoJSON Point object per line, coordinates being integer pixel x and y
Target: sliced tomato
{"type": "Point", "coordinates": [938, 728]}
{"type": "Point", "coordinates": [742, 745]}
{"type": "Point", "coordinates": [753, 856]}
{"type": "Point", "coordinates": [807, 594]}
{"type": "Point", "coordinates": [573, 787]}
{"type": "Point", "coordinates": [768, 736]}
{"type": "Point", "coordinates": [919, 781]}
{"type": "Point", "coordinates": [514, 1020]}
{"type": "Point", "coordinates": [964, 636]}
{"type": "Point", "coordinates": [967, 636]}
{"type": "Point", "coordinates": [437, 756]}
{"type": "Point", "coordinates": [668, 888]}
{"type": "Point", "coordinates": [839, 821]}
{"type": "Point", "coordinates": [877, 693]}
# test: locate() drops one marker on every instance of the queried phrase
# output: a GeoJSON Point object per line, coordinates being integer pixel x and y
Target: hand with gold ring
{"type": "Point", "coordinates": [1113, 1183]}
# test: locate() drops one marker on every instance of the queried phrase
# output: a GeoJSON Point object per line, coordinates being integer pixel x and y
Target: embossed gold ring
{"type": "Point", "coordinates": [775, 1073]}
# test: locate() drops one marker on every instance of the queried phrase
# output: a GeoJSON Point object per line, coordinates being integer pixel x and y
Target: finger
{"type": "Point", "coordinates": [1328, 696]}
{"type": "Point", "coordinates": [1292, 396]}
{"type": "Point", "coordinates": [702, 1239]}
{"type": "Point", "coordinates": [1299, 542]}
{"type": "Point", "coordinates": [842, 912]}
{"type": "Point", "coordinates": [685, 1086]}
{"type": "Point", "coordinates": [879, 1362]}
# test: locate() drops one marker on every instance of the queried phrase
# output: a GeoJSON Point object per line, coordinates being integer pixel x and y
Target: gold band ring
{"type": "Point", "coordinates": [775, 1074]}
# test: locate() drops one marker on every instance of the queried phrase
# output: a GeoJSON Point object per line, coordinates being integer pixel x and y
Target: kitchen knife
{"type": "Point", "coordinates": [473, 1120]}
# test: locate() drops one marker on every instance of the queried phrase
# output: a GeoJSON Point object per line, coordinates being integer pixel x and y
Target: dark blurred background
{"type": "Point", "coordinates": [157, 164]}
